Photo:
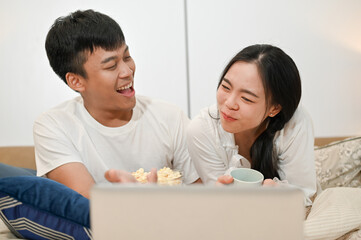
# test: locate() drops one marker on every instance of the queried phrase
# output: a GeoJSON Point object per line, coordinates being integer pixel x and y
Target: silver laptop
{"type": "Point", "coordinates": [148, 212]}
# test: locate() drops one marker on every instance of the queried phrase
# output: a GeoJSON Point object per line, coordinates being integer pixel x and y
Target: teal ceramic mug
{"type": "Point", "coordinates": [247, 177]}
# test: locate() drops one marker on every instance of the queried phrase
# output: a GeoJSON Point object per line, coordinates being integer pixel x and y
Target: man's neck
{"type": "Point", "coordinates": [110, 118]}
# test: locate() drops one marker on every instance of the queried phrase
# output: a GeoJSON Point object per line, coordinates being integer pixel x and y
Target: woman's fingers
{"type": "Point", "coordinates": [269, 182]}
{"type": "Point", "coordinates": [224, 179]}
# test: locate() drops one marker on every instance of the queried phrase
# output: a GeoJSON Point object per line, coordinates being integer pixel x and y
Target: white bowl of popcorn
{"type": "Point", "coordinates": [166, 176]}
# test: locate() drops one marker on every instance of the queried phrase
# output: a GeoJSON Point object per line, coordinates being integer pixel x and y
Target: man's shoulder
{"type": "Point", "coordinates": [62, 110]}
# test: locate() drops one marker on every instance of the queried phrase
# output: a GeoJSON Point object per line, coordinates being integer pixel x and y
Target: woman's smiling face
{"type": "Point", "coordinates": [241, 99]}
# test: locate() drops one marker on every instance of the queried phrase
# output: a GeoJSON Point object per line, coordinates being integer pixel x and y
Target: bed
{"type": "Point", "coordinates": [336, 211]}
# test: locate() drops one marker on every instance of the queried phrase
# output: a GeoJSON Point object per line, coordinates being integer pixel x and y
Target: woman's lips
{"type": "Point", "coordinates": [227, 117]}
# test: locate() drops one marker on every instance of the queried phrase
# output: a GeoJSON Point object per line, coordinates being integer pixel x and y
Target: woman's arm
{"type": "Point", "coordinates": [295, 147]}
{"type": "Point", "coordinates": [203, 150]}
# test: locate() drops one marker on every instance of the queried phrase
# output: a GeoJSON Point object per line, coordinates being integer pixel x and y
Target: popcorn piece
{"type": "Point", "coordinates": [166, 176]}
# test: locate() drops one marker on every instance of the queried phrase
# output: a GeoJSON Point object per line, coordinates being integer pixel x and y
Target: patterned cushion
{"type": "Point", "coordinates": [338, 164]}
{"type": "Point", "coordinates": [39, 208]}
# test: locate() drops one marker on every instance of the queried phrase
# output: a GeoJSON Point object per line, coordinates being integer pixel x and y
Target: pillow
{"type": "Point", "coordinates": [338, 164]}
{"type": "Point", "coordinates": [39, 208]}
{"type": "Point", "coordinates": [11, 171]}
{"type": "Point", "coordinates": [335, 212]}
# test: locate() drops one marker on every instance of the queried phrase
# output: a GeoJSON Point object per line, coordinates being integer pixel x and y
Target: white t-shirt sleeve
{"type": "Point", "coordinates": [202, 149]}
{"type": "Point", "coordinates": [52, 147]}
{"type": "Point", "coordinates": [295, 145]}
{"type": "Point", "coordinates": [182, 160]}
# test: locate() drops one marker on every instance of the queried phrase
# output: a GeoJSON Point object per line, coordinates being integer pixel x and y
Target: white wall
{"type": "Point", "coordinates": [323, 37]}
{"type": "Point", "coordinates": [154, 31]}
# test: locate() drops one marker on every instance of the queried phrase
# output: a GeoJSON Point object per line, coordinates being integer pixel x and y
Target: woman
{"type": "Point", "coordinates": [257, 123]}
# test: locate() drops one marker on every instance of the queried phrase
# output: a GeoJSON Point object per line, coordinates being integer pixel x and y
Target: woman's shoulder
{"type": "Point", "coordinates": [206, 121]}
{"type": "Point", "coordinates": [301, 118]}
{"type": "Point", "coordinates": [300, 125]}
{"type": "Point", "coordinates": [207, 115]}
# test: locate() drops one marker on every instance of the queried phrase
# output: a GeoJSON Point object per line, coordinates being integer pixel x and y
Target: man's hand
{"type": "Point", "coordinates": [120, 176]}
{"type": "Point", "coordinates": [224, 179]}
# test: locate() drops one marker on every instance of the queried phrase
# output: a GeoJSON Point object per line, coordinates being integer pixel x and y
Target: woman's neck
{"type": "Point", "coordinates": [244, 143]}
{"type": "Point", "coordinates": [244, 140]}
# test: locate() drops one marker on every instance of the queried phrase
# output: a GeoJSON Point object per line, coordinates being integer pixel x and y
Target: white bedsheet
{"type": "Point", "coordinates": [5, 233]}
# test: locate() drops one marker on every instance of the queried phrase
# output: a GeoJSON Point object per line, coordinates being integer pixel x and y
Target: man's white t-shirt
{"type": "Point", "coordinates": [154, 137]}
{"type": "Point", "coordinates": [214, 152]}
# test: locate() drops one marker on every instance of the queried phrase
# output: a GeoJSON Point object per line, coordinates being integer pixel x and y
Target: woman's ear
{"type": "Point", "coordinates": [75, 82]}
{"type": "Point", "coordinates": [275, 109]}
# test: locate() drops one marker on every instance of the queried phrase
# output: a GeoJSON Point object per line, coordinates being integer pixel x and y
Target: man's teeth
{"type": "Point", "coordinates": [125, 87]}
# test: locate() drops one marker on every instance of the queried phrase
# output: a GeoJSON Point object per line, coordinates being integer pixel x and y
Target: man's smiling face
{"type": "Point", "coordinates": [109, 85]}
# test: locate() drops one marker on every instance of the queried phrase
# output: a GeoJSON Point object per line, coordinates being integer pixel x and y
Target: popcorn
{"type": "Point", "coordinates": [140, 175]}
{"type": "Point", "coordinates": [166, 176]}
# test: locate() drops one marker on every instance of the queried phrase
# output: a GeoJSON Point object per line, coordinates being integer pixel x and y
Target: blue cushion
{"type": "Point", "coordinates": [11, 171]}
{"type": "Point", "coordinates": [39, 208]}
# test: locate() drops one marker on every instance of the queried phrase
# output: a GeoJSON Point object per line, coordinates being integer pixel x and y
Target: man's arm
{"type": "Point", "coordinates": [75, 176]}
{"type": "Point", "coordinates": [56, 154]}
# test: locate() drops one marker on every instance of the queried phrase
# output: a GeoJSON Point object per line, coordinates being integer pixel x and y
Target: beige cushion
{"type": "Point", "coordinates": [338, 164]}
{"type": "Point", "coordinates": [23, 156]}
{"type": "Point", "coordinates": [321, 141]}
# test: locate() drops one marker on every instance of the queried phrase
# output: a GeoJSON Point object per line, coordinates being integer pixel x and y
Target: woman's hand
{"type": "Point", "coordinates": [269, 182]}
{"type": "Point", "coordinates": [224, 179]}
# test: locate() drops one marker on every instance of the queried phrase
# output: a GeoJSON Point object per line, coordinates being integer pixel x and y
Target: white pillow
{"type": "Point", "coordinates": [335, 212]}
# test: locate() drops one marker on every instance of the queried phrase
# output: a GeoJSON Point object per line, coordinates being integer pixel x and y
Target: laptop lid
{"type": "Point", "coordinates": [196, 212]}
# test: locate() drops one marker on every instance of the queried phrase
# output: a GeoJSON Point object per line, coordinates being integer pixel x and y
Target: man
{"type": "Point", "coordinates": [106, 127]}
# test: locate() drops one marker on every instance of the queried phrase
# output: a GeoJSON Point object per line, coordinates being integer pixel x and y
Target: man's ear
{"type": "Point", "coordinates": [75, 82]}
{"type": "Point", "coordinates": [275, 109]}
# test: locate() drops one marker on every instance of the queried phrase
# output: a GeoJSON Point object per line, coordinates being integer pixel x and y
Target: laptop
{"type": "Point", "coordinates": [148, 212]}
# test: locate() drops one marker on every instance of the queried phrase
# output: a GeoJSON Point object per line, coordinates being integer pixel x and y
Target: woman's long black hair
{"type": "Point", "coordinates": [282, 84]}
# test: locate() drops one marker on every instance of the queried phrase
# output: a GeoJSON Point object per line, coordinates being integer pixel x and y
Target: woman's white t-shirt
{"type": "Point", "coordinates": [214, 151]}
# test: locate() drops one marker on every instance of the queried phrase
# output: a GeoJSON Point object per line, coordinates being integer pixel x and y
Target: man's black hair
{"type": "Point", "coordinates": [73, 37]}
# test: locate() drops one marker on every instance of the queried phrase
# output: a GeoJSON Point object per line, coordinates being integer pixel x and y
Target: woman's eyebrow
{"type": "Point", "coordinates": [241, 90]}
{"type": "Point", "coordinates": [227, 81]}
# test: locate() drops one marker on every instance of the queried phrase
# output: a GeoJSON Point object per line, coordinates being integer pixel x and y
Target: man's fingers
{"type": "Point", "coordinates": [112, 176]}
{"type": "Point", "coordinates": [152, 177]}
{"type": "Point", "coordinates": [120, 176]}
